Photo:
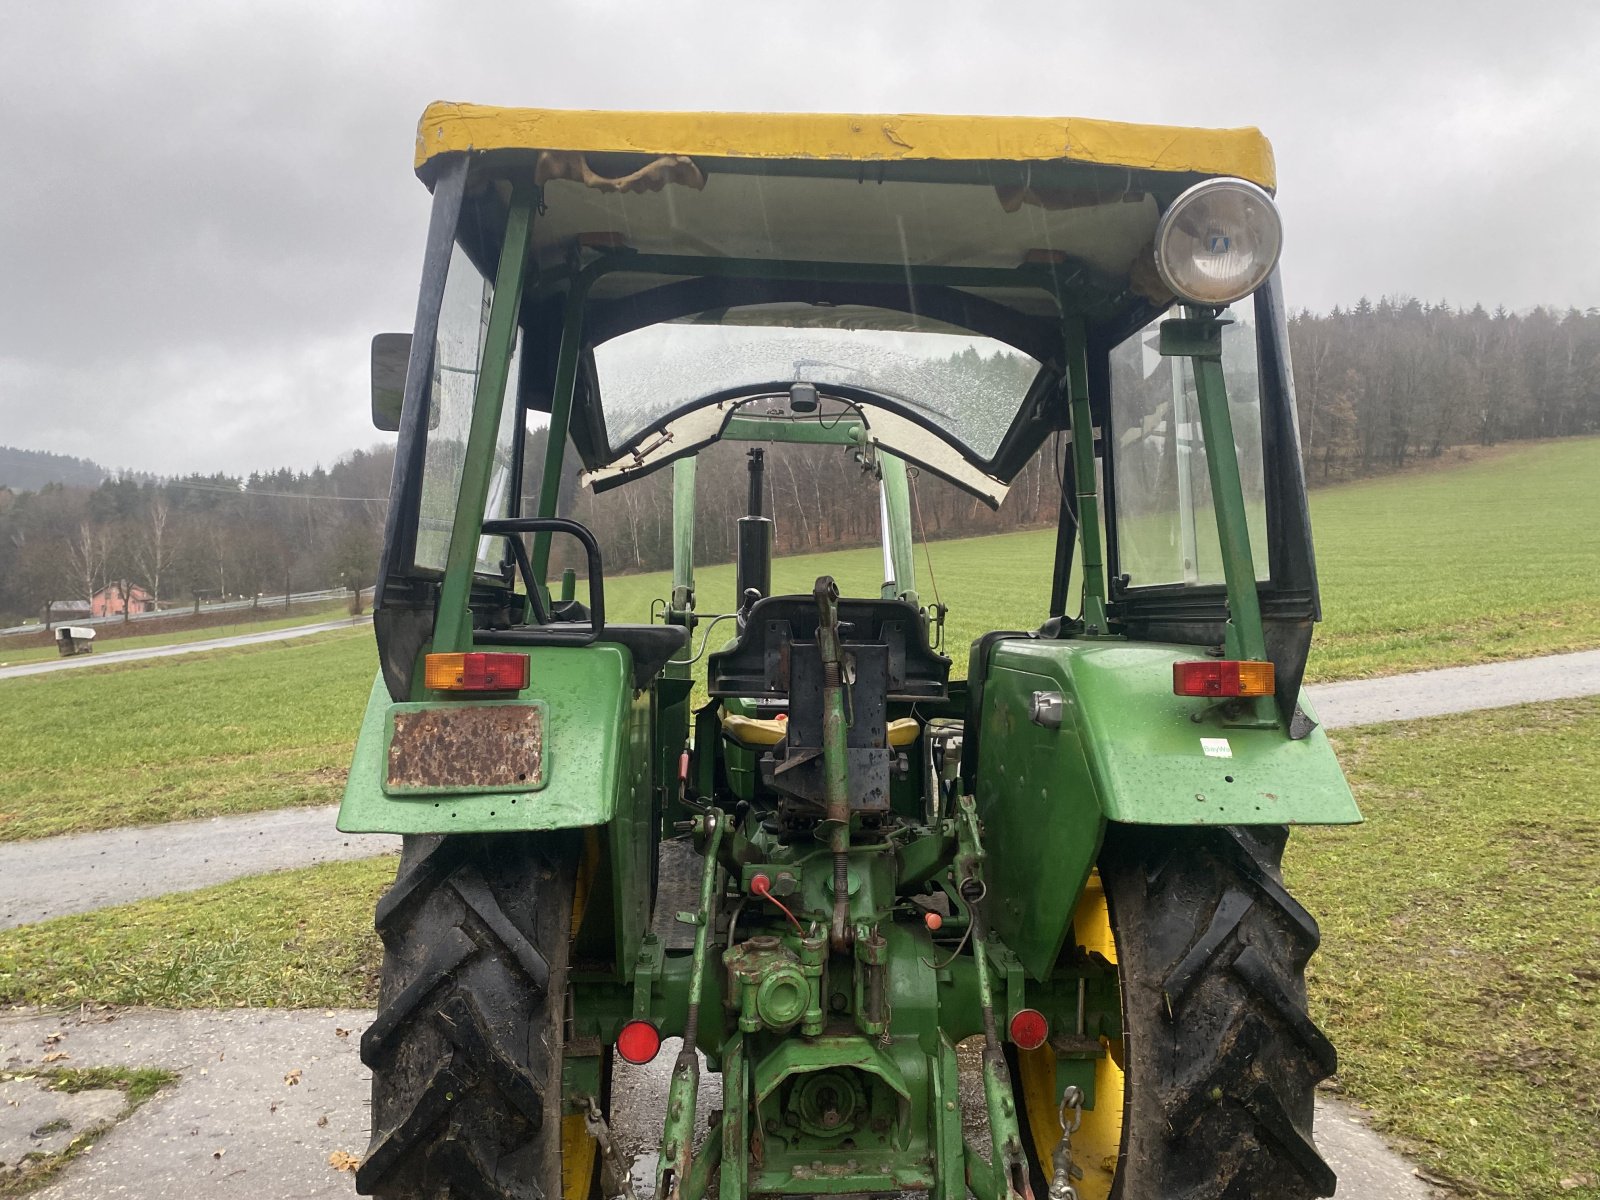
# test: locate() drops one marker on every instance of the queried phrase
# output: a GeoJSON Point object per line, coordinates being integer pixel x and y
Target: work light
{"type": "Point", "coordinates": [1218, 242]}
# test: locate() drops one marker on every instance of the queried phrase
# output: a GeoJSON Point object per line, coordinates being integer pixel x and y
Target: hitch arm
{"type": "Point", "coordinates": [1010, 1167]}
{"type": "Point", "coordinates": [677, 1141]}
{"type": "Point", "coordinates": [835, 755]}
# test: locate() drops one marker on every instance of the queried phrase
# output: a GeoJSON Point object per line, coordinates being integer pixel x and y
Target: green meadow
{"type": "Point", "coordinates": [139, 743]}
{"type": "Point", "coordinates": [1459, 973]}
{"type": "Point", "coordinates": [1499, 558]}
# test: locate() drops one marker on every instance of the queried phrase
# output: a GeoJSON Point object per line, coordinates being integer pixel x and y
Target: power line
{"type": "Point", "coordinates": [224, 490]}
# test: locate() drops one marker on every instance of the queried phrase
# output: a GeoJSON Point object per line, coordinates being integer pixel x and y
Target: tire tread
{"type": "Point", "coordinates": [1223, 1059]}
{"type": "Point", "coordinates": [466, 1046]}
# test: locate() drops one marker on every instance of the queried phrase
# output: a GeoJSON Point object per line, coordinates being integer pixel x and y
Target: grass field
{"type": "Point", "coordinates": [295, 939]}
{"type": "Point", "coordinates": [136, 743]}
{"type": "Point", "coordinates": [108, 639]}
{"type": "Point", "coordinates": [1448, 565]}
{"type": "Point", "coordinates": [1442, 566]}
{"type": "Point", "coordinates": [1433, 567]}
{"type": "Point", "coordinates": [1458, 973]}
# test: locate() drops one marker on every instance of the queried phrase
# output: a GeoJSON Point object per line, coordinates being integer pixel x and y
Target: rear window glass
{"type": "Point", "coordinates": [969, 385]}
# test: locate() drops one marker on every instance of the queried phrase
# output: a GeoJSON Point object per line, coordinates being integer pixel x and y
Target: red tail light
{"type": "Point", "coordinates": [1222, 677]}
{"type": "Point", "coordinates": [638, 1042]}
{"type": "Point", "coordinates": [1029, 1029]}
{"type": "Point", "coordinates": [476, 672]}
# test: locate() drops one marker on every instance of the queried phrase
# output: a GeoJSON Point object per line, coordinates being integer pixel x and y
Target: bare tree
{"type": "Point", "coordinates": [156, 548]}
{"type": "Point", "coordinates": [87, 549]}
{"type": "Point", "coordinates": [219, 540]}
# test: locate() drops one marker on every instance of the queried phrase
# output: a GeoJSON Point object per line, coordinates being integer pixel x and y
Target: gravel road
{"type": "Point", "coordinates": [102, 658]}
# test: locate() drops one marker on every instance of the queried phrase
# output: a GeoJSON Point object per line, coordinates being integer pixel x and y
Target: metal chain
{"type": "Point", "coordinates": [595, 1122]}
{"type": "Point", "coordinates": [1063, 1169]}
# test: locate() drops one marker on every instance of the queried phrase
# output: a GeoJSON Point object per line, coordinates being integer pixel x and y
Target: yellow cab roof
{"type": "Point", "coordinates": [886, 191]}
{"type": "Point", "coordinates": [448, 127]}
{"type": "Point", "coordinates": [1006, 223]}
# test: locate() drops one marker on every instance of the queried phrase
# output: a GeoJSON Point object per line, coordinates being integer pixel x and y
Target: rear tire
{"type": "Point", "coordinates": [466, 1048]}
{"type": "Point", "coordinates": [1222, 1060]}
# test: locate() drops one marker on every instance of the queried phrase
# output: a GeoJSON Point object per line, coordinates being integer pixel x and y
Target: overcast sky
{"type": "Point", "coordinates": [207, 208]}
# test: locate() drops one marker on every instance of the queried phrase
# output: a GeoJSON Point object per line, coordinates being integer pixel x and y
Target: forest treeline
{"type": "Point", "coordinates": [1378, 385]}
{"type": "Point", "coordinates": [30, 470]}
{"type": "Point", "coordinates": [202, 537]}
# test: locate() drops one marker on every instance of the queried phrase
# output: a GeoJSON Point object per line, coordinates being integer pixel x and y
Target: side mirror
{"type": "Point", "coordinates": [390, 353]}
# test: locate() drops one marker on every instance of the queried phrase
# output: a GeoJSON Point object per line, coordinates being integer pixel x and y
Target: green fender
{"type": "Point", "coordinates": [588, 768]}
{"type": "Point", "coordinates": [1127, 749]}
{"type": "Point", "coordinates": [595, 770]}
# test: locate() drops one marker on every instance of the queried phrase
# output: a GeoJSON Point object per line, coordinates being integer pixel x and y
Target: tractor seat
{"type": "Point", "coordinates": [758, 661]}
{"type": "Point", "coordinates": [755, 733]}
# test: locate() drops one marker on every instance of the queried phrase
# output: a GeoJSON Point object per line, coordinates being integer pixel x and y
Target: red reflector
{"type": "Point", "coordinates": [1029, 1029]}
{"type": "Point", "coordinates": [475, 672]}
{"type": "Point", "coordinates": [1222, 677]}
{"type": "Point", "coordinates": [638, 1042]}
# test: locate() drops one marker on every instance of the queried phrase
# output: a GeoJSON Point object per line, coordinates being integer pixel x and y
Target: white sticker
{"type": "Point", "coordinates": [1216, 747]}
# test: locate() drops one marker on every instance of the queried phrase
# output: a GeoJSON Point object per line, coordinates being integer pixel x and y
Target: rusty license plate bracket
{"type": "Point", "coordinates": [436, 749]}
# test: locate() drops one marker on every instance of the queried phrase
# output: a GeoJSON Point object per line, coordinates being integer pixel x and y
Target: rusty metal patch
{"type": "Point", "coordinates": [466, 748]}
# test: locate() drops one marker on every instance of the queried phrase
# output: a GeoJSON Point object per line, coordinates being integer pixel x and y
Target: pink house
{"type": "Point", "coordinates": [116, 598]}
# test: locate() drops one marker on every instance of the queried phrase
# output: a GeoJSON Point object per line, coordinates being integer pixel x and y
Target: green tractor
{"type": "Point", "coordinates": [776, 824]}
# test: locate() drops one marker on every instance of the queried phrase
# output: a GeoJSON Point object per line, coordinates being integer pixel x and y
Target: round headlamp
{"type": "Point", "coordinates": [1218, 242]}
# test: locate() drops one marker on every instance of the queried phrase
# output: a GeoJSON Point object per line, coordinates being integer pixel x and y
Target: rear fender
{"type": "Point", "coordinates": [1128, 750]}
{"type": "Point", "coordinates": [586, 769]}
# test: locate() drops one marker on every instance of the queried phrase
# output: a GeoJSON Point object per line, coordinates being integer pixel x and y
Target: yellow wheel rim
{"type": "Point", "coordinates": [578, 1147]}
{"type": "Point", "coordinates": [1099, 1138]}
{"type": "Point", "coordinates": [577, 1158]}
{"type": "Point", "coordinates": [587, 866]}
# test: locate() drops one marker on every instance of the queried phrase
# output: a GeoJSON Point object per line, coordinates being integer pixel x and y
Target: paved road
{"type": "Point", "coordinates": [56, 876]}
{"type": "Point", "coordinates": [234, 1128]}
{"type": "Point", "coordinates": [1457, 689]}
{"type": "Point", "coordinates": [101, 658]}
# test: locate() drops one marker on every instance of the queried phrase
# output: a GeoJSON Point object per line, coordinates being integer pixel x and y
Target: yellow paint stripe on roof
{"type": "Point", "coordinates": [447, 128]}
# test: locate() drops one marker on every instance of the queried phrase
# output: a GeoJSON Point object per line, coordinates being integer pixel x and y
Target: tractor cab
{"type": "Point", "coordinates": [784, 819]}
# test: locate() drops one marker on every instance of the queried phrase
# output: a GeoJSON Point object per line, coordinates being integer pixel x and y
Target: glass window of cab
{"type": "Point", "coordinates": [457, 362]}
{"type": "Point", "coordinates": [1165, 523]}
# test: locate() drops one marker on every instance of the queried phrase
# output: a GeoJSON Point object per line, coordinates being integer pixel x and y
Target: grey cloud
{"type": "Point", "coordinates": [208, 208]}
